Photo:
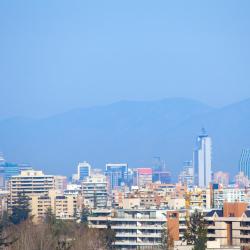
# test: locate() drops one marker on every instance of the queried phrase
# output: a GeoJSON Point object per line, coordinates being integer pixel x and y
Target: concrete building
{"type": "Point", "coordinates": [29, 182]}
{"type": "Point", "coordinates": [60, 183]}
{"type": "Point", "coordinates": [62, 206]}
{"type": "Point", "coordinates": [230, 194]}
{"type": "Point", "coordinates": [142, 176]}
{"type": "Point", "coordinates": [132, 227]}
{"type": "Point", "coordinates": [203, 160]}
{"type": "Point", "coordinates": [230, 225]}
{"type": "Point", "coordinates": [95, 191]}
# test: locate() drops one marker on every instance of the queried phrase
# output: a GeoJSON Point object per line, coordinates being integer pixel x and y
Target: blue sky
{"type": "Point", "coordinates": [59, 55]}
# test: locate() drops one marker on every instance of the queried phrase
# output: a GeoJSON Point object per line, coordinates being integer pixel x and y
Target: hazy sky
{"type": "Point", "coordinates": [58, 55]}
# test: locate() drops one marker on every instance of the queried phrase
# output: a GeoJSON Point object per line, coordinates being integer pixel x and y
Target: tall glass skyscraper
{"type": "Point", "coordinates": [203, 160]}
{"type": "Point", "coordinates": [244, 164]}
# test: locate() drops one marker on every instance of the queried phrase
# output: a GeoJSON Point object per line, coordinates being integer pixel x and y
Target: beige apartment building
{"type": "Point", "coordinates": [29, 182]}
{"type": "Point", "coordinates": [230, 225]}
{"type": "Point", "coordinates": [62, 206]}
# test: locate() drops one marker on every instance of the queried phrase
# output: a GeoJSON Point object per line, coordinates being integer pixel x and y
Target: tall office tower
{"type": "Point", "coordinates": [83, 170]}
{"type": "Point", "coordinates": [186, 176]}
{"type": "Point", "coordinates": [203, 160]}
{"type": "Point", "coordinates": [244, 164]}
{"type": "Point", "coordinates": [221, 178]}
{"type": "Point", "coordinates": [29, 182]}
{"type": "Point", "coordinates": [142, 176]}
{"type": "Point", "coordinates": [117, 174]}
{"type": "Point", "coordinates": [95, 192]}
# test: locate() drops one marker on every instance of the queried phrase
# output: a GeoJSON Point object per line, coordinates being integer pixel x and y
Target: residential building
{"type": "Point", "coordinates": [60, 183]}
{"type": "Point", "coordinates": [230, 225]}
{"type": "Point", "coordinates": [202, 160]}
{"type": "Point", "coordinates": [140, 228]}
{"type": "Point", "coordinates": [62, 206]}
{"type": "Point", "coordinates": [95, 191]}
{"type": "Point", "coordinates": [29, 182]}
{"type": "Point", "coordinates": [229, 194]}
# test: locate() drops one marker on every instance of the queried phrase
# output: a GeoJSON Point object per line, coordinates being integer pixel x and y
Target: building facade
{"type": "Point", "coordinates": [117, 175]}
{"type": "Point", "coordinates": [83, 170]}
{"type": "Point", "coordinates": [203, 160]}
{"type": "Point", "coordinates": [95, 191]}
{"type": "Point", "coordinates": [29, 182]}
{"type": "Point", "coordinates": [244, 163]}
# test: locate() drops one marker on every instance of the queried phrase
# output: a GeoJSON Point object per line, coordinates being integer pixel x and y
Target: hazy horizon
{"type": "Point", "coordinates": [57, 56]}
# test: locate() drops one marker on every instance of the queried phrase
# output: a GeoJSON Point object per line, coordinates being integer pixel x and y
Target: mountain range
{"type": "Point", "coordinates": [128, 131]}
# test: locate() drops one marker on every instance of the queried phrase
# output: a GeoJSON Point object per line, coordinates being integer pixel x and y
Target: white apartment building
{"type": "Point", "coordinates": [95, 191]}
{"type": "Point", "coordinates": [231, 194]}
{"type": "Point", "coordinates": [135, 228]}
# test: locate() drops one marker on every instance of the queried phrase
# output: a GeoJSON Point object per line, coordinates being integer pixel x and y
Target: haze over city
{"type": "Point", "coordinates": [124, 125]}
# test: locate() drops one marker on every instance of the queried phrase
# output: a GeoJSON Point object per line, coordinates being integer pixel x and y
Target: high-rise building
{"type": "Point", "coordinates": [95, 192]}
{"type": "Point", "coordinates": [203, 160]}
{"type": "Point", "coordinates": [83, 170]}
{"type": "Point", "coordinates": [117, 174]}
{"type": "Point", "coordinates": [186, 176]}
{"type": "Point", "coordinates": [29, 182]}
{"type": "Point", "coordinates": [244, 164]}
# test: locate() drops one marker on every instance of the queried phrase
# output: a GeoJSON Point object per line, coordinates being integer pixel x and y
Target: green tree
{"type": "Point", "coordinates": [84, 215]}
{"type": "Point", "coordinates": [196, 233]}
{"type": "Point", "coordinates": [20, 209]}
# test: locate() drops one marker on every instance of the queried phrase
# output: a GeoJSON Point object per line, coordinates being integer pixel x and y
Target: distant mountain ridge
{"type": "Point", "coordinates": [128, 131]}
